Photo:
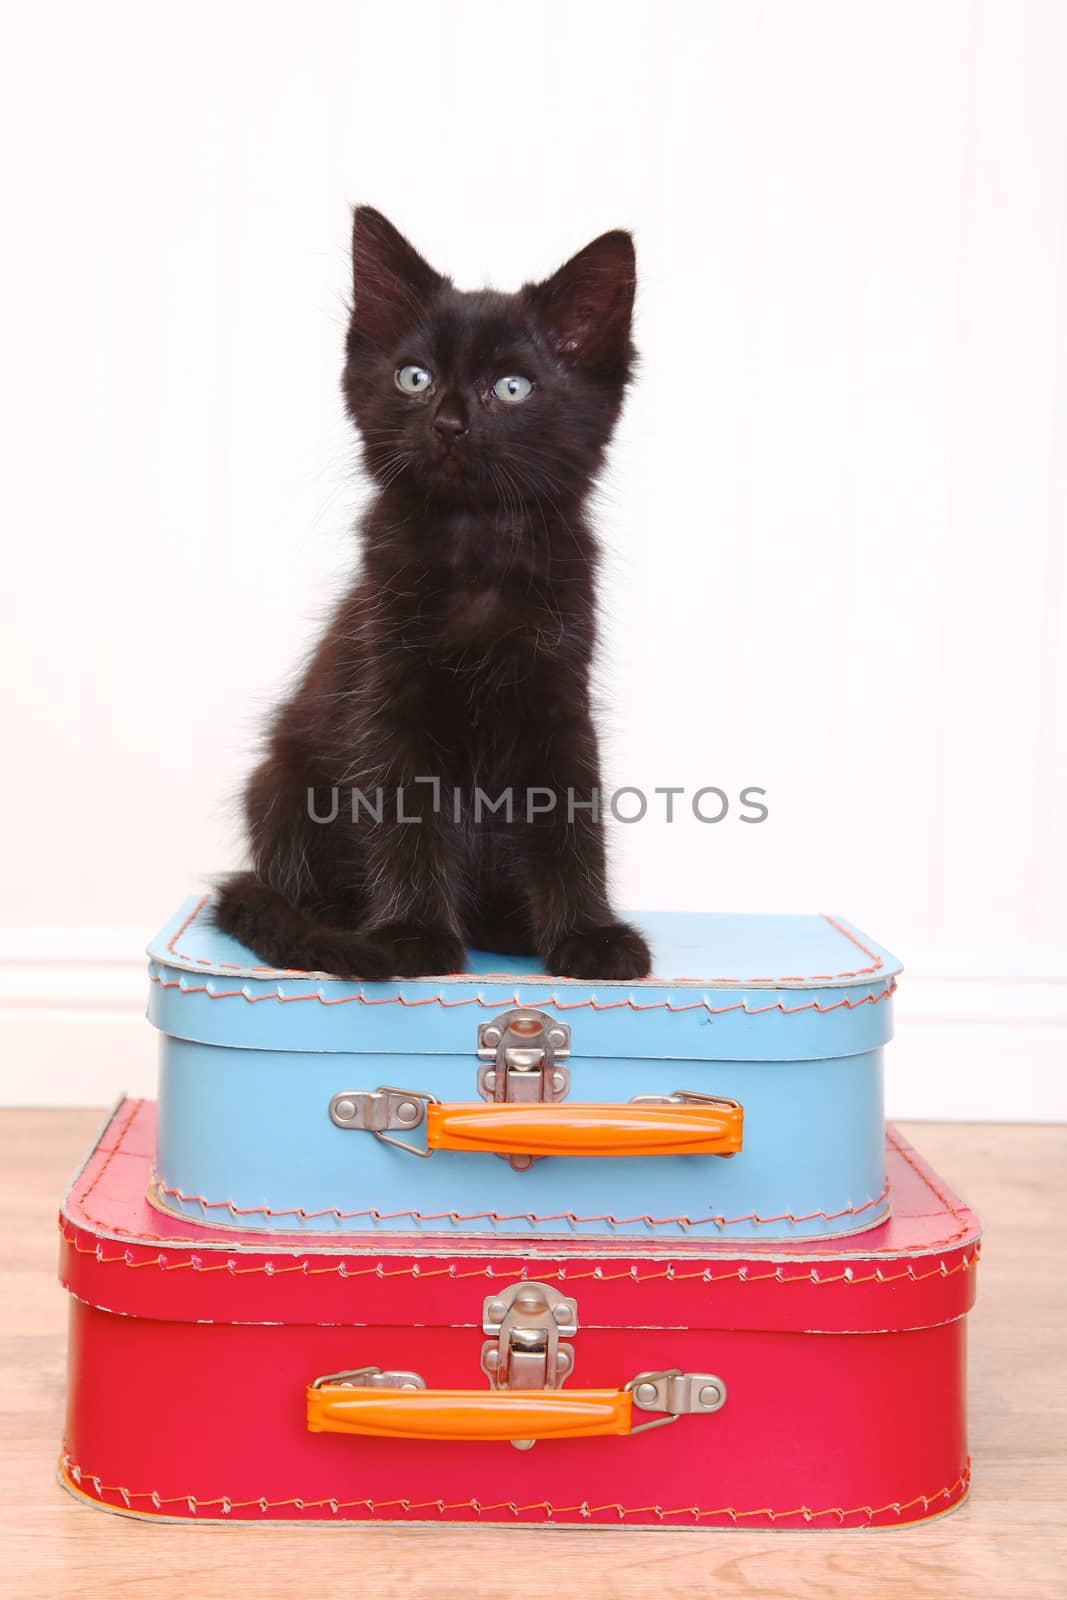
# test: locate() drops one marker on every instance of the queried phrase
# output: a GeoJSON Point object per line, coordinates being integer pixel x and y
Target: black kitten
{"type": "Point", "coordinates": [445, 717]}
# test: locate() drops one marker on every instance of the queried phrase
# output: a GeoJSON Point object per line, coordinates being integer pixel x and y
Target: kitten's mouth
{"type": "Point", "coordinates": [452, 464]}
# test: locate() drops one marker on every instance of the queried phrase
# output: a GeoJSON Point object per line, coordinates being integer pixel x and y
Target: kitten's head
{"type": "Point", "coordinates": [482, 398]}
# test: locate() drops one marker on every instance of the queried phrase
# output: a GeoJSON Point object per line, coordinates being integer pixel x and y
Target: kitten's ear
{"type": "Point", "coordinates": [391, 283]}
{"type": "Point", "coordinates": [585, 307]}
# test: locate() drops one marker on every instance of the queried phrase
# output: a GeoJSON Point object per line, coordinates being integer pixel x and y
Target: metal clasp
{"type": "Point", "coordinates": [523, 1050]}
{"type": "Point", "coordinates": [377, 1110]}
{"type": "Point", "coordinates": [527, 1322]}
{"type": "Point", "coordinates": [678, 1393]}
{"type": "Point", "coordinates": [370, 1378]}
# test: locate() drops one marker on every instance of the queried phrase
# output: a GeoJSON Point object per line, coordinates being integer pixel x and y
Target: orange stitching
{"type": "Point", "coordinates": [226, 1504]}
{"type": "Point", "coordinates": [876, 961]}
{"type": "Point", "coordinates": [135, 1107]}
{"type": "Point", "coordinates": [904, 1151]}
{"type": "Point", "coordinates": [548, 1000]}
{"type": "Point", "coordinates": [201, 961]}
{"type": "Point", "coordinates": [564, 1274]}
{"type": "Point", "coordinates": [194, 913]}
{"type": "Point", "coordinates": [829, 977]}
{"type": "Point", "coordinates": [513, 1216]}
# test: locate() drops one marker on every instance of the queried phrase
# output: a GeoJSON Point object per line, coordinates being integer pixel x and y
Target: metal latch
{"type": "Point", "coordinates": [378, 1110]}
{"type": "Point", "coordinates": [522, 1051]}
{"type": "Point", "coordinates": [678, 1393]}
{"type": "Point", "coordinates": [370, 1378]}
{"type": "Point", "coordinates": [527, 1322]}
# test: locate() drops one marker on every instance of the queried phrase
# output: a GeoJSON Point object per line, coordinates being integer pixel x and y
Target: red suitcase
{"type": "Point", "coordinates": [806, 1384]}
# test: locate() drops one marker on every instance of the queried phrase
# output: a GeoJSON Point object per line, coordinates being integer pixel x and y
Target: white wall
{"type": "Point", "coordinates": [835, 514]}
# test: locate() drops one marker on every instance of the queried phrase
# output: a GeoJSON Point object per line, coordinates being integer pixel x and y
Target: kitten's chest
{"type": "Point", "coordinates": [484, 553]}
{"type": "Point", "coordinates": [487, 583]}
{"type": "Point", "coordinates": [489, 708]}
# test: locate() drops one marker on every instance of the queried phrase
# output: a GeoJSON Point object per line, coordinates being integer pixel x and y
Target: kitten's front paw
{"type": "Point", "coordinates": [613, 951]}
{"type": "Point", "coordinates": [416, 952]}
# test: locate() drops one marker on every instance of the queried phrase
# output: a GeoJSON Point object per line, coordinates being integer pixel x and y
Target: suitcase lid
{"type": "Point", "coordinates": [773, 988]}
{"type": "Point", "coordinates": [119, 1253]}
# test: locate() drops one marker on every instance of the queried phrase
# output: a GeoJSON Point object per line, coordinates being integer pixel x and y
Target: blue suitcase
{"type": "Point", "coordinates": [737, 1093]}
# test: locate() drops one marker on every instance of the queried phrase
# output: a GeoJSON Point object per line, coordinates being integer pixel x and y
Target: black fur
{"type": "Point", "coordinates": [462, 650]}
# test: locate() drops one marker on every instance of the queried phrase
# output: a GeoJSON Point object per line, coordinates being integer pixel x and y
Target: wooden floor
{"type": "Point", "coordinates": [1008, 1541]}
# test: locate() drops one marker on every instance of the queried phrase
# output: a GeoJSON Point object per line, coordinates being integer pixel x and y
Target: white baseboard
{"type": "Point", "coordinates": [981, 1031]}
{"type": "Point", "coordinates": [980, 1072]}
{"type": "Point", "coordinates": [981, 1036]}
{"type": "Point", "coordinates": [71, 1057]}
{"type": "Point", "coordinates": [72, 1017]}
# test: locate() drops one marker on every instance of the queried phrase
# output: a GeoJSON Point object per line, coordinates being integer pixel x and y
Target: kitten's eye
{"type": "Point", "coordinates": [513, 391]}
{"type": "Point", "coordinates": [413, 380]}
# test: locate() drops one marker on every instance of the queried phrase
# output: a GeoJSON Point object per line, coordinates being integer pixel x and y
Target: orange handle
{"type": "Point", "coordinates": [490, 1414]}
{"type": "Point", "coordinates": [539, 1129]}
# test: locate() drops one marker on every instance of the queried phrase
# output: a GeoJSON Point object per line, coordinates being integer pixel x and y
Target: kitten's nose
{"type": "Point", "coordinates": [451, 420]}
